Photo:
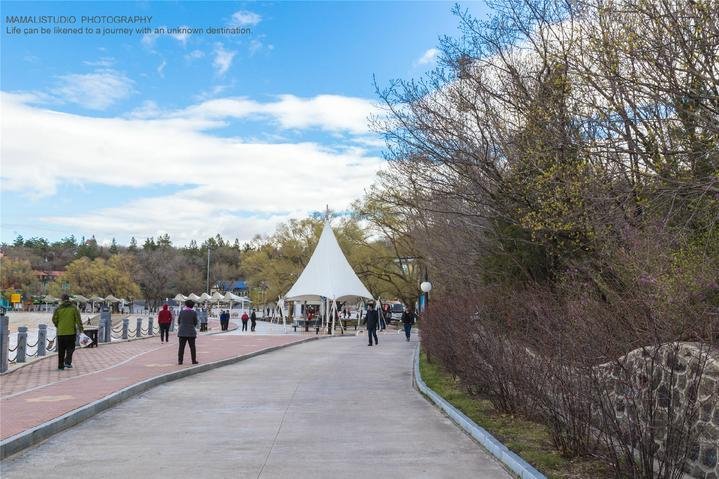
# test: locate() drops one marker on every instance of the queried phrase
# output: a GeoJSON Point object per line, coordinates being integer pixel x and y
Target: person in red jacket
{"type": "Point", "coordinates": [164, 319]}
{"type": "Point", "coordinates": [244, 318]}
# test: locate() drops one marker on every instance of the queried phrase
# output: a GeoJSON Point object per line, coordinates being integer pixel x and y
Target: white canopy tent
{"type": "Point", "coordinates": [111, 299]}
{"type": "Point", "coordinates": [232, 298]}
{"type": "Point", "coordinates": [95, 299]}
{"type": "Point", "coordinates": [328, 275]}
{"type": "Point", "coordinates": [229, 296]}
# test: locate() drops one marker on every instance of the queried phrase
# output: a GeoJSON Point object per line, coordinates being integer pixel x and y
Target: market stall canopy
{"type": "Point", "coordinates": [79, 298]}
{"type": "Point", "coordinates": [97, 299]}
{"type": "Point", "coordinates": [193, 297]}
{"type": "Point", "coordinates": [233, 297]}
{"type": "Point", "coordinates": [205, 297]}
{"type": "Point", "coordinates": [328, 274]}
{"type": "Point", "coordinates": [111, 299]}
{"type": "Point", "coordinates": [216, 296]}
{"type": "Point", "coordinates": [49, 299]}
{"type": "Point", "coordinates": [180, 297]}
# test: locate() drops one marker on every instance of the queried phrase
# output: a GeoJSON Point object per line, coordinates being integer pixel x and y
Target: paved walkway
{"type": "Point", "coordinates": [324, 409]}
{"type": "Point", "coordinates": [39, 392]}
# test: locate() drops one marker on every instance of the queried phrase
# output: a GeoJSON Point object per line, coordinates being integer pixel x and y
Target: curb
{"type": "Point", "coordinates": [513, 462]}
{"type": "Point", "coordinates": [37, 434]}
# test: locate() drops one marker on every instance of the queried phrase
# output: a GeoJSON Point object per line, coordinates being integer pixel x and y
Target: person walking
{"type": "Point", "coordinates": [224, 320]}
{"type": "Point", "coordinates": [371, 318]}
{"type": "Point", "coordinates": [164, 319]}
{"type": "Point", "coordinates": [310, 317]}
{"type": "Point", "coordinates": [408, 319]}
{"type": "Point", "coordinates": [244, 319]}
{"type": "Point", "coordinates": [66, 319]}
{"type": "Point", "coordinates": [186, 324]}
{"type": "Point", "coordinates": [204, 313]}
{"type": "Point", "coordinates": [253, 318]}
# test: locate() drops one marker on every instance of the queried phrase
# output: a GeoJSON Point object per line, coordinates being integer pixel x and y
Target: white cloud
{"type": "Point", "coordinates": [96, 91]}
{"type": "Point", "coordinates": [148, 109]}
{"type": "Point", "coordinates": [370, 141]}
{"type": "Point", "coordinates": [149, 39]}
{"type": "Point", "coordinates": [255, 46]}
{"type": "Point", "coordinates": [244, 18]}
{"type": "Point", "coordinates": [181, 37]}
{"type": "Point", "coordinates": [212, 92]}
{"type": "Point", "coordinates": [327, 112]}
{"type": "Point", "coordinates": [428, 57]}
{"type": "Point", "coordinates": [161, 69]}
{"type": "Point", "coordinates": [223, 59]}
{"type": "Point", "coordinates": [230, 186]}
{"type": "Point", "coordinates": [104, 62]}
{"type": "Point", "coordinates": [194, 55]}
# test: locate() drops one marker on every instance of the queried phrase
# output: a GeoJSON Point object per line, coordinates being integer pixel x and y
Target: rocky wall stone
{"type": "Point", "coordinates": [675, 376]}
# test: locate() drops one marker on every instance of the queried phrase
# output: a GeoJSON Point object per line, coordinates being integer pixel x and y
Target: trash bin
{"type": "Point", "coordinates": [92, 334]}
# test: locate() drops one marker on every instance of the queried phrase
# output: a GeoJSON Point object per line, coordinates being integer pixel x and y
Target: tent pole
{"type": "Point", "coordinates": [382, 323]}
{"type": "Point", "coordinates": [334, 305]}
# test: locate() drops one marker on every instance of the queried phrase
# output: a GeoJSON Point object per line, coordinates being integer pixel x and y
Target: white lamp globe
{"type": "Point", "coordinates": [426, 287]}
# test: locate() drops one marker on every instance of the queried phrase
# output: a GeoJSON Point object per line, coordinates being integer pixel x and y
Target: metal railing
{"type": "Point", "coordinates": [44, 345]}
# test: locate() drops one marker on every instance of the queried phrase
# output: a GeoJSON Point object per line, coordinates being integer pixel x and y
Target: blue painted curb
{"type": "Point", "coordinates": [515, 463]}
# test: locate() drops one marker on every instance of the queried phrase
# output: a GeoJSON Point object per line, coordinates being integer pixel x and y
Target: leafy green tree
{"type": "Point", "coordinates": [99, 276]}
{"type": "Point", "coordinates": [89, 249]}
{"type": "Point", "coordinates": [17, 274]}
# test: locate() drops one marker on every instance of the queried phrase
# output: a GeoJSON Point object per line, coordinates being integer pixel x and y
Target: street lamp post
{"type": "Point", "coordinates": [426, 287]}
{"type": "Point", "coordinates": [208, 270]}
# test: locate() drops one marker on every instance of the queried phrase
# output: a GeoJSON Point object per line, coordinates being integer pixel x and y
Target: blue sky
{"type": "Point", "coordinates": [123, 135]}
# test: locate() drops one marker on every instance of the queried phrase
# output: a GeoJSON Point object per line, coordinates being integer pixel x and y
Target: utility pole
{"type": "Point", "coordinates": [208, 269]}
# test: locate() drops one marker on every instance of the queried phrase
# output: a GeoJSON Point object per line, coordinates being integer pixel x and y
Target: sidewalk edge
{"type": "Point", "coordinates": [37, 434]}
{"type": "Point", "coordinates": [511, 460]}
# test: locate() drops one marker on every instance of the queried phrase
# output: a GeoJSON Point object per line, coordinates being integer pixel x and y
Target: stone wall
{"type": "Point", "coordinates": [670, 378]}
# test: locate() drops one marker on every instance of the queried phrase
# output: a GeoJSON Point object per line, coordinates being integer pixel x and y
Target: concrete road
{"type": "Point", "coordinates": [333, 408]}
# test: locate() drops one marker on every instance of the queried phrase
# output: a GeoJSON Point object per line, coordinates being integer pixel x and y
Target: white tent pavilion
{"type": "Point", "coordinates": [193, 297]}
{"type": "Point", "coordinates": [232, 298]}
{"type": "Point", "coordinates": [111, 299]}
{"type": "Point", "coordinates": [180, 297]}
{"type": "Point", "coordinates": [328, 275]}
{"type": "Point", "coordinates": [205, 297]}
{"type": "Point", "coordinates": [95, 299]}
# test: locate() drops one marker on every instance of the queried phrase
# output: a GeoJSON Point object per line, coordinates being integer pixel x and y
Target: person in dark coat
{"type": "Point", "coordinates": [408, 319]}
{"type": "Point", "coordinates": [253, 319]}
{"type": "Point", "coordinates": [186, 324]}
{"type": "Point", "coordinates": [371, 318]}
{"type": "Point", "coordinates": [164, 319]}
{"type": "Point", "coordinates": [225, 320]}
